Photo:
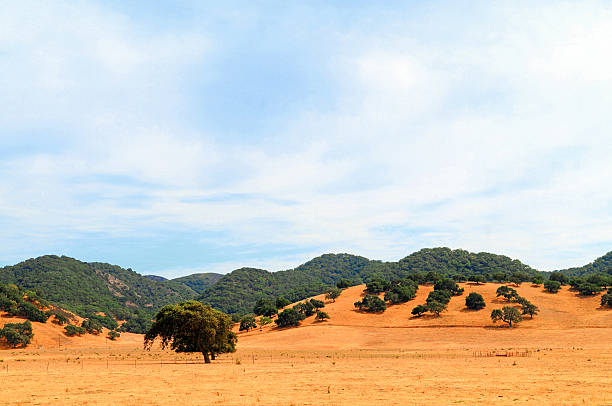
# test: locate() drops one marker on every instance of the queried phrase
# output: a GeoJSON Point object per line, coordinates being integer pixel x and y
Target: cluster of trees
{"type": "Point", "coordinates": [438, 299]}
{"type": "Point", "coordinates": [606, 298]}
{"type": "Point", "coordinates": [293, 316]}
{"type": "Point", "coordinates": [510, 314]}
{"type": "Point", "coordinates": [395, 292]}
{"type": "Point", "coordinates": [22, 303]}
{"type": "Point", "coordinates": [17, 334]}
{"type": "Point", "coordinates": [192, 326]}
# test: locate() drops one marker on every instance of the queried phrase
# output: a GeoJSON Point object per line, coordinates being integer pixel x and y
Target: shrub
{"type": "Point", "coordinates": [264, 321]}
{"type": "Point", "coordinates": [31, 312]}
{"type": "Point", "coordinates": [247, 323]}
{"type": "Point", "coordinates": [419, 310]}
{"type": "Point", "coordinates": [371, 304]}
{"type": "Point", "coordinates": [265, 307]}
{"type": "Point", "coordinates": [321, 316]}
{"type": "Point", "coordinates": [475, 301]}
{"type": "Point", "coordinates": [281, 302]}
{"type": "Point", "coordinates": [440, 296]}
{"type": "Point", "coordinates": [306, 308]}
{"type": "Point", "coordinates": [317, 304]}
{"type": "Point", "coordinates": [92, 326]}
{"type": "Point", "coordinates": [552, 286]}
{"type": "Point", "coordinates": [72, 330]}
{"type": "Point", "coordinates": [537, 280]}
{"type": "Point", "coordinates": [113, 335]}
{"type": "Point", "coordinates": [17, 333]}
{"type": "Point", "coordinates": [289, 318]}
{"type": "Point", "coordinates": [449, 285]}
{"type": "Point", "coordinates": [333, 293]}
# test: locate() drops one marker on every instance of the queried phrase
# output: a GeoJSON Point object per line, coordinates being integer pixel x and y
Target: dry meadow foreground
{"type": "Point", "coordinates": [352, 359]}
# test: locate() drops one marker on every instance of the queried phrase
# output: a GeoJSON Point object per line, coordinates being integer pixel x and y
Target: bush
{"type": "Point", "coordinates": [371, 304]}
{"type": "Point", "coordinates": [247, 323]}
{"type": "Point", "coordinates": [17, 333]}
{"type": "Point", "coordinates": [537, 280]}
{"type": "Point", "coordinates": [606, 299]}
{"type": "Point", "coordinates": [440, 296]}
{"type": "Point", "coordinates": [449, 285]}
{"type": "Point", "coordinates": [475, 301]}
{"type": "Point", "coordinates": [92, 326]}
{"type": "Point", "coordinates": [264, 321]}
{"type": "Point", "coordinates": [317, 304]}
{"type": "Point", "coordinates": [588, 289]}
{"type": "Point", "coordinates": [321, 316]}
{"type": "Point", "coordinates": [289, 318]}
{"type": "Point", "coordinates": [105, 321]}
{"type": "Point", "coordinates": [400, 294]}
{"type": "Point", "coordinates": [552, 286]}
{"type": "Point", "coordinates": [419, 310]}
{"type": "Point", "coordinates": [305, 308]}
{"type": "Point", "coordinates": [281, 302]}
{"type": "Point", "coordinates": [72, 330]}
{"type": "Point", "coordinates": [333, 293]}
{"type": "Point", "coordinates": [265, 307]}
{"type": "Point", "coordinates": [113, 335]}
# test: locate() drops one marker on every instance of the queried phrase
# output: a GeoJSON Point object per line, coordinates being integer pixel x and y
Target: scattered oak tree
{"type": "Point", "coordinates": [371, 304]}
{"type": "Point", "coordinates": [475, 301]}
{"type": "Point", "coordinates": [17, 334]}
{"type": "Point", "coordinates": [247, 322]}
{"type": "Point", "coordinates": [507, 292]}
{"type": "Point", "coordinates": [507, 314]}
{"type": "Point", "coordinates": [552, 286]}
{"type": "Point", "coordinates": [289, 318]}
{"type": "Point", "coordinates": [281, 302]}
{"type": "Point", "coordinates": [333, 293]}
{"type": "Point", "coordinates": [264, 321]}
{"type": "Point", "coordinates": [321, 316]}
{"type": "Point", "coordinates": [192, 327]}
{"type": "Point", "coordinates": [449, 285]}
{"type": "Point", "coordinates": [113, 335]}
{"type": "Point", "coordinates": [265, 307]}
{"type": "Point", "coordinates": [419, 310]}
{"type": "Point", "coordinates": [71, 330]}
{"type": "Point", "coordinates": [436, 307]}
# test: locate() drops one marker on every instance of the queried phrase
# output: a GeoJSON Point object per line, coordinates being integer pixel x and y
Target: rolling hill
{"type": "Point", "coordinates": [600, 265]}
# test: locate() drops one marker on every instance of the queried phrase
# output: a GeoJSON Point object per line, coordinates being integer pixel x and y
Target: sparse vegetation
{"type": "Point", "coordinates": [321, 316]}
{"type": "Point", "coordinates": [507, 314]}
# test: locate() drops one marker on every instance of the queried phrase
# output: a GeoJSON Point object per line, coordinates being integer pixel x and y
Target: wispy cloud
{"type": "Point", "coordinates": [196, 145]}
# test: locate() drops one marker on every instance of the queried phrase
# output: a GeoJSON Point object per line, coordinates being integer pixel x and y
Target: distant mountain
{"type": "Point", "coordinates": [156, 278]}
{"type": "Point", "coordinates": [238, 291]}
{"type": "Point", "coordinates": [89, 288]}
{"type": "Point", "coordinates": [600, 265]}
{"type": "Point", "coordinates": [199, 282]}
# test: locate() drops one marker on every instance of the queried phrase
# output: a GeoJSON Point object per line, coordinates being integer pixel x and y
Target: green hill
{"type": "Point", "coordinates": [238, 291]}
{"type": "Point", "coordinates": [90, 288]}
{"type": "Point", "coordinates": [199, 282]}
{"type": "Point", "coordinates": [600, 265]}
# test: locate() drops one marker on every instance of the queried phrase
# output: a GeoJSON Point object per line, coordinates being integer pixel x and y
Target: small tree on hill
{"type": "Point", "coordinates": [247, 322]}
{"type": "Point", "coordinates": [343, 284]}
{"type": "Point", "coordinates": [418, 310]}
{"type": "Point", "coordinates": [306, 308]}
{"type": "Point", "coordinates": [436, 307]}
{"type": "Point", "coordinates": [475, 301]}
{"type": "Point", "coordinates": [265, 307]}
{"type": "Point", "coordinates": [333, 293]}
{"type": "Point", "coordinates": [589, 289]}
{"type": "Point", "coordinates": [371, 304]}
{"type": "Point", "coordinates": [400, 294]}
{"type": "Point", "coordinates": [92, 326]}
{"type": "Point", "coordinates": [321, 316]}
{"type": "Point", "coordinates": [71, 330]}
{"type": "Point", "coordinates": [440, 296]}
{"type": "Point", "coordinates": [606, 298]}
{"type": "Point", "coordinates": [537, 280]}
{"type": "Point", "coordinates": [317, 304]}
{"type": "Point", "coordinates": [17, 334]}
{"type": "Point", "coordinates": [113, 335]}
{"type": "Point", "coordinates": [376, 286]}
{"type": "Point", "coordinates": [507, 314]}
{"type": "Point", "coordinates": [264, 321]}
{"type": "Point", "coordinates": [281, 302]}
{"type": "Point", "coordinates": [449, 285]}
{"type": "Point", "coordinates": [552, 286]}
{"type": "Point", "coordinates": [31, 312]}
{"type": "Point", "coordinates": [289, 318]}
{"type": "Point", "coordinates": [478, 279]}
{"type": "Point", "coordinates": [507, 292]}
{"type": "Point", "coordinates": [558, 277]}
{"type": "Point", "coordinates": [529, 308]}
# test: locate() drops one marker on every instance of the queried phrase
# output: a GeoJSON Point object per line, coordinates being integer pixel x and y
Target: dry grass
{"type": "Point", "coordinates": [352, 359]}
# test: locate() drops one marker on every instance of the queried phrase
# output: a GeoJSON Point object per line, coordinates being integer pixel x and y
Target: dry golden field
{"type": "Point", "coordinates": [352, 359]}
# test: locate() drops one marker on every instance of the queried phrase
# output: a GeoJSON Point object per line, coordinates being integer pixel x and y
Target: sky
{"type": "Point", "coordinates": [177, 137]}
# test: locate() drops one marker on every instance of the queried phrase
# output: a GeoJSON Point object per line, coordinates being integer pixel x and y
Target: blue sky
{"type": "Point", "coordinates": [188, 136]}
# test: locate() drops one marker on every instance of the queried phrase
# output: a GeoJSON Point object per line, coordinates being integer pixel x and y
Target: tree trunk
{"type": "Point", "coordinates": [212, 355]}
{"type": "Point", "coordinates": [206, 358]}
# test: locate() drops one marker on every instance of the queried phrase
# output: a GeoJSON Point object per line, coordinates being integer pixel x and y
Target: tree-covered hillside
{"type": "Point", "coordinates": [89, 288]}
{"type": "Point", "coordinates": [238, 291]}
{"type": "Point", "coordinates": [199, 282]}
{"type": "Point", "coordinates": [600, 265]}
